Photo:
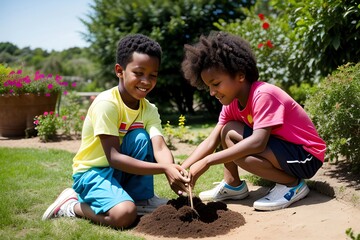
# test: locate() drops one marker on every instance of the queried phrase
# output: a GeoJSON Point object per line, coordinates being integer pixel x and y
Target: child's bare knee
{"type": "Point", "coordinates": [122, 216]}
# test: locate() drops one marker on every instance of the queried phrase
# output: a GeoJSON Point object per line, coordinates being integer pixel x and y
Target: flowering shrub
{"type": "Point", "coordinates": [72, 116]}
{"type": "Point", "coordinates": [46, 125]}
{"type": "Point", "coordinates": [66, 124]}
{"type": "Point", "coordinates": [268, 37]}
{"type": "Point", "coordinates": [18, 83]}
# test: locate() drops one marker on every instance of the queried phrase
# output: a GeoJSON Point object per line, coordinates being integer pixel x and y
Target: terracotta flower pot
{"type": "Point", "coordinates": [17, 112]}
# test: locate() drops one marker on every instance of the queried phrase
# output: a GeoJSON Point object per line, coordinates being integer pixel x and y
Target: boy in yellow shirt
{"type": "Point", "coordinates": [113, 184]}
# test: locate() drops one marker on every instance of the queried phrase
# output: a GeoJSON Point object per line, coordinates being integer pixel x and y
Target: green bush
{"type": "Point", "coordinates": [335, 110]}
{"type": "Point", "coordinates": [268, 37]}
{"type": "Point", "coordinates": [300, 93]}
{"type": "Point", "coordinates": [67, 124]}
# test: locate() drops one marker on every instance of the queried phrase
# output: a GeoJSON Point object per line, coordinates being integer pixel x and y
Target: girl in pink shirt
{"type": "Point", "coordinates": [261, 128]}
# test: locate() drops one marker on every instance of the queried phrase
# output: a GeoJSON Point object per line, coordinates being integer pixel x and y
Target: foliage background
{"type": "Point", "coordinates": [309, 40]}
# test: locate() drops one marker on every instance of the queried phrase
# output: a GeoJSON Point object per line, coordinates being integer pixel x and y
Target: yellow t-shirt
{"type": "Point", "coordinates": [109, 115]}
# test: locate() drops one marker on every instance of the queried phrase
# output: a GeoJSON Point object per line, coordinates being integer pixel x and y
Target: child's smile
{"type": "Point", "coordinates": [221, 85]}
{"type": "Point", "coordinates": [138, 79]}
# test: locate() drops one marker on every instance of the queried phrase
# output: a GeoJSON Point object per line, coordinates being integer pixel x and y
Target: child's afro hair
{"type": "Point", "coordinates": [136, 43]}
{"type": "Point", "coordinates": [224, 51]}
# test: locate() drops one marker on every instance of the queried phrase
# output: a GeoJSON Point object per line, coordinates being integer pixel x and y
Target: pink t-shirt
{"type": "Point", "coordinates": [270, 106]}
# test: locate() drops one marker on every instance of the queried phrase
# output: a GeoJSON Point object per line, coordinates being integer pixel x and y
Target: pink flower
{"type": "Point", "coordinates": [36, 122]}
{"type": "Point", "coordinates": [65, 93]}
{"type": "Point", "coordinates": [58, 78]}
{"type": "Point", "coordinates": [64, 118]}
{"type": "Point", "coordinates": [261, 16]}
{"type": "Point", "coordinates": [27, 79]}
{"type": "Point", "coordinates": [265, 25]}
{"type": "Point", "coordinates": [37, 75]}
{"type": "Point", "coordinates": [73, 84]}
{"type": "Point", "coordinates": [82, 117]}
{"type": "Point", "coordinates": [51, 112]}
{"type": "Point", "coordinates": [46, 113]}
{"type": "Point", "coordinates": [18, 85]}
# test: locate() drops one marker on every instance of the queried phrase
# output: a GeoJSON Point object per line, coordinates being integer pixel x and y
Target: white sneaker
{"type": "Point", "coordinates": [282, 196]}
{"type": "Point", "coordinates": [63, 205]}
{"type": "Point", "coordinates": [148, 206]}
{"type": "Point", "coordinates": [224, 191]}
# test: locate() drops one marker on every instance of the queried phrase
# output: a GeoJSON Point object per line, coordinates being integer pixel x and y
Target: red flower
{"type": "Point", "coordinates": [265, 25]}
{"type": "Point", "coordinates": [269, 44]}
{"type": "Point", "coordinates": [261, 16]}
{"type": "Point", "coordinates": [260, 45]}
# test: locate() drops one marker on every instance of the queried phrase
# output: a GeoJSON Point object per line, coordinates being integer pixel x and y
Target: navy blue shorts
{"type": "Point", "coordinates": [292, 158]}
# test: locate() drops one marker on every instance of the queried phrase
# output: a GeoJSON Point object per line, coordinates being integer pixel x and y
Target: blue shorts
{"type": "Point", "coordinates": [103, 188]}
{"type": "Point", "coordinates": [98, 188]}
{"type": "Point", "coordinates": [292, 158]}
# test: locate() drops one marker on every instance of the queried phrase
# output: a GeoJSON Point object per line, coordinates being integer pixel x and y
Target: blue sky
{"type": "Point", "coordinates": [48, 24]}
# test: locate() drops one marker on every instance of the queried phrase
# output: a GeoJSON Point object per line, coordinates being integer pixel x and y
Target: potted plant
{"type": "Point", "coordinates": [22, 97]}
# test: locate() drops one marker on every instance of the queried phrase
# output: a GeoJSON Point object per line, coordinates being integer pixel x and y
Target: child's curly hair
{"type": "Point", "coordinates": [136, 43]}
{"type": "Point", "coordinates": [224, 51]}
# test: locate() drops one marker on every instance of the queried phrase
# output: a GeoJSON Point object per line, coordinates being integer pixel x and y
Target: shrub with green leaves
{"type": "Point", "coordinates": [47, 125]}
{"type": "Point", "coordinates": [268, 37]}
{"type": "Point", "coordinates": [335, 110]}
{"type": "Point", "coordinates": [72, 115]}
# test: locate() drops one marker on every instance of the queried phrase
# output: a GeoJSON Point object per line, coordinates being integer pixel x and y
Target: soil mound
{"type": "Point", "coordinates": [178, 219]}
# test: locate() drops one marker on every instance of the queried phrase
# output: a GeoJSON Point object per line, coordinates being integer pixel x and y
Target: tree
{"type": "Point", "coordinates": [309, 39]}
{"type": "Point", "coordinates": [325, 34]}
{"type": "Point", "coordinates": [171, 23]}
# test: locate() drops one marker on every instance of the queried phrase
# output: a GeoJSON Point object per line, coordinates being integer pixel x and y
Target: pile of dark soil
{"type": "Point", "coordinates": [178, 219]}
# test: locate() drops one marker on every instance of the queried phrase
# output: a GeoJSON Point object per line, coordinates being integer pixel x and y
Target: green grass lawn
{"type": "Point", "coordinates": [30, 181]}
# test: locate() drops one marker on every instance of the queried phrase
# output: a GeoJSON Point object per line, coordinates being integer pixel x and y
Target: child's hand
{"type": "Point", "coordinates": [177, 178]}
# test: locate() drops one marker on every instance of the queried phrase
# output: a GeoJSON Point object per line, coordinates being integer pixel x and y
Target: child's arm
{"type": "Point", "coordinates": [163, 155]}
{"type": "Point", "coordinates": [124, 162]}
{"type": "Point", "coordinates": [131, 165]}
{"type": "Point", "coordinates": [205, 148]}
{"type": "Point", "coordinates": [254, 144]}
